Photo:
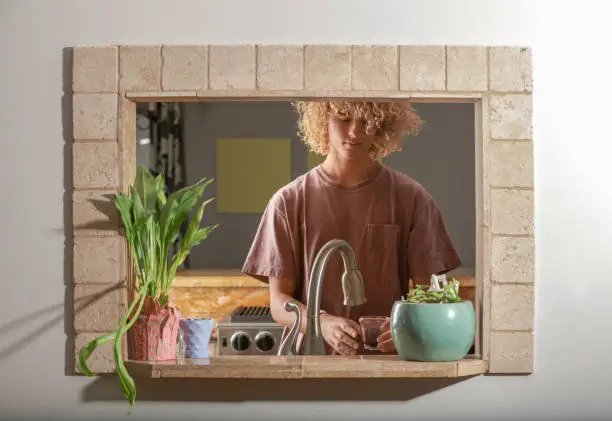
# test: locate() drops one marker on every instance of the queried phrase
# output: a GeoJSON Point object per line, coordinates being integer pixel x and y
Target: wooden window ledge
{"type": "Point", "coordinates": [302, 367]}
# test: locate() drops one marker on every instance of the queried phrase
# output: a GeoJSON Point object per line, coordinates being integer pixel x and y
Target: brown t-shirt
{"type": "Point", "coordinates": [389, 220]}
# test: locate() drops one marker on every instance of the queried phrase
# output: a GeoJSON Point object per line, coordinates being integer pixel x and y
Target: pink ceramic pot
{"type": "Point", "coordinates": [155, 333]}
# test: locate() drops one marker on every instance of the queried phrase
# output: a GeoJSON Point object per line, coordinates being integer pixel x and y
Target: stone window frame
{"type": "Point", "coordinates": [109, 80]}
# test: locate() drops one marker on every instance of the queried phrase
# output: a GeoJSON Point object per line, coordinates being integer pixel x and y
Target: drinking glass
{"type": "Point", "coordinates": [370, 330]}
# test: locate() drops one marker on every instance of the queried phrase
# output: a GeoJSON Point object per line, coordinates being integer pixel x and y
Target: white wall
{"type": "Point", "coordinates": [573, 197]}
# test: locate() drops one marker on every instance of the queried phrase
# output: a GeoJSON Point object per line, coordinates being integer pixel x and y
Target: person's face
{"type": "Point", "coordinates": [348, 137]}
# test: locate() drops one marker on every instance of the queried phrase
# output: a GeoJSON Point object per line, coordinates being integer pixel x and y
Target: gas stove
{"type": "Point", "coordinates": [249, 330]}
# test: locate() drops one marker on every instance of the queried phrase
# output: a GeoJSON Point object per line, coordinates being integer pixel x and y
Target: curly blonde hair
{"type": "Point", "coordinates": [390, 121]}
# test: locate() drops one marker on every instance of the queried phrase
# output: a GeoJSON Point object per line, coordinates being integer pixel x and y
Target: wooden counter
{"type": "Point", "coordinates": [215, 278]}
{"type": "Point", "coordinates": [303, 367]}
{"type": "Point", "coordinates": [228, 278]}
{"type": "Point", "coordinates": [214, 294]}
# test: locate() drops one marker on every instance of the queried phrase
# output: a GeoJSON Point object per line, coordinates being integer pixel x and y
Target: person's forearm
{"type": "Point", "coordinates": [283, 317]}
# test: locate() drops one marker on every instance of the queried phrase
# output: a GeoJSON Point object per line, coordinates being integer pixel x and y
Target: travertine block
{"type": "Point", "coordinates": [510, 69]}
{"type": "Point", "coordinates": [95, 116]}
{"type": "Point", "coordinates": [483, 136]}
{"type": "Point", "coordinates": [140, 68]}
{"type": "Point", "coordinates": [375, 68]}
{"type": "Point", "coordinates": [512, 307]}
{"type": "Point", "coordinates": [95, 164]}
{"type": "Point", "coordinates": [95, 212]}
{"type": "Point", "coordinates": [184, 68]}
{"type": "Point", "coordinates": [128, 144]}
{"type": "Point", "coordinates": [232, 67]}
{"type": "Point", "coordinates": [466, 68]}
{"type": "Point", "coordinates": [167, 96]}
{"type": "Point", "coordinates": [511, 116]}
{"type": "Point", "coordinates": [102, 360]}
{"type": "Point", "coordinates": [512, 259]}
{"type": "Point", "coordinates": [511, 164]}
{"type": "Point", "coordinates": [422, 68]}
{"type": "Point", "coordinates": [280, 67]}
{"type": "Point", "coordinates": [511, 211]}
{"type": "Point", "coordinates": [97, 260]}
{"type": "Point", "coordinates": [95, 69]}
{"type": "Point", "coordinates": [485, 322]}
{"type": "Point", "coordinates": [511, 352]}
{"type": "Point", "coordinates": [327, 67]}
{"type": "Point", "coordinates": [97, 308]}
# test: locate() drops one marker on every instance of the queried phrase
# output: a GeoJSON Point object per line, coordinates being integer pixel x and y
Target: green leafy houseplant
{"type": "Point", "coordinates": [426, 294]}
{"type": "Point", "coordinates": [152, 224]}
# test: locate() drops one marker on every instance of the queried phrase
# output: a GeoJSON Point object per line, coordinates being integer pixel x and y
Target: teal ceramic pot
{"type": "Point", "coordinates": [433, 332]}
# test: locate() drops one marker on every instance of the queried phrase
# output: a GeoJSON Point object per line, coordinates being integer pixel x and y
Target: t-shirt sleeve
{"type": "Point", "coordinates": [274, 248]}
{"type": "Point", "coordinates": [430, 249]}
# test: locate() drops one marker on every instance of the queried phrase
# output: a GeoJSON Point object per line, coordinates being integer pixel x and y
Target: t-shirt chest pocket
{"type": "Point", "coordinates": [381, 250]}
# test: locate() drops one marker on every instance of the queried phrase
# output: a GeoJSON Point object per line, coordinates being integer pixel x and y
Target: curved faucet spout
{"type": "Point", "coordinates": [352, 287]}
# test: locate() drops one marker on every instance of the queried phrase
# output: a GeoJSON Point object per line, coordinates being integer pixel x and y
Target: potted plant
{"type": "Point", "coordinates": [433, 323]}
{"type": "Point", "coordinates": [152, 224]}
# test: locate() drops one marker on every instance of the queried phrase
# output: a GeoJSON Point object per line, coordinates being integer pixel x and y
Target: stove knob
{"type": "Point", "coordinates": [240, 341]}
{"type": "Point", "coordinates": [264, 341]}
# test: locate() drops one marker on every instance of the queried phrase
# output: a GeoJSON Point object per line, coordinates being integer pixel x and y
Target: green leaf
{"type": "Point", "coordinates": [177, 209]}
{"type": "Point", "coordinates": [138, 209]}
{"type": "Point", "coordinates": [141, 234]}
{"type": "Point", "coordinates": [202, 234]}
{"type": "Point", "coordinates": [126, 382]}
{"type": "Point", "coordinates": [88, 349]}
{"type": "Point", "coordinates": [123, 203]}
{"type": "Point", "coordinates": [159, 186]}
{"type": "Point", "coordinates": [189, 193]}
{"type": "Point", "coordinates": [146, 187]}
{"type": "Point", "coordinates": [192, 230]}
{"type": "Point", "coordinates": [424, 294]}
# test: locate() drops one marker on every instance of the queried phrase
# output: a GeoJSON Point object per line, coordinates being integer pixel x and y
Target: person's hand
{"type": "Point", "coordinates": [384, 340]}
{"type": "Point", "coordinates": [341, 334]}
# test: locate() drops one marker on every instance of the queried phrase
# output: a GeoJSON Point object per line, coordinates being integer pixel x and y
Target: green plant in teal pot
{"type": "Point", "coordinates": [433, 325]}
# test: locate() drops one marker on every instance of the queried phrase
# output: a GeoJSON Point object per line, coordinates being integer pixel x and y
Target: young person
{"type": "Point", "coordinates": [391, 222]}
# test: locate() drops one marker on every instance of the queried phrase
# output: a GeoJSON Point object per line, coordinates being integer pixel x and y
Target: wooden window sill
{"type": "Point", "coordinates": [303, 367]}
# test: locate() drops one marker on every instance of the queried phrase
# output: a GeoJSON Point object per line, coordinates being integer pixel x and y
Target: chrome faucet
{"type": "Point", "coordinates": [354, 295]}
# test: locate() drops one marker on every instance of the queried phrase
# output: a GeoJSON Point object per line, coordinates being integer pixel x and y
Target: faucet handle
{"type": "Point", "coordinates": [289, 344]}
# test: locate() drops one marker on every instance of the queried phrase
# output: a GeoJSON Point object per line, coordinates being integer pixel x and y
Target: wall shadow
{"type": "Point", "coordinates": [21, 323]}
{"type": "Point", "coordinates": [106, 388]}
{"type": "Point", "coordinates": [66, 107]}
{"type": "Point", "coordinates": [80, 304]}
